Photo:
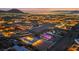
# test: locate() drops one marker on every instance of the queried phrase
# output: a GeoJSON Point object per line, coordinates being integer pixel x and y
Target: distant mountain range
{"type": "Point", "coordinates": [11, 11]}
{"type": "Point", "coordinates": [19, 11]}
{"type": "Point", "coordinates": [68, 11]}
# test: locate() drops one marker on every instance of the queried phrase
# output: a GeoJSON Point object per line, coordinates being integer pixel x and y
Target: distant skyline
{"type": "Point", "coordinates": [39, 9]}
